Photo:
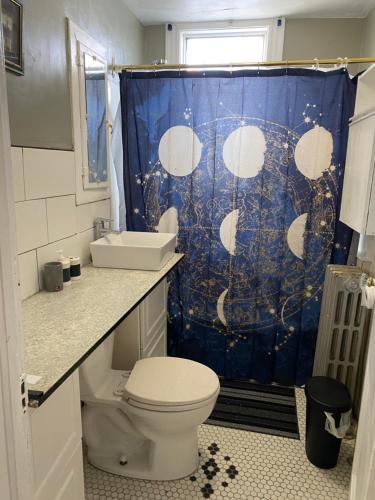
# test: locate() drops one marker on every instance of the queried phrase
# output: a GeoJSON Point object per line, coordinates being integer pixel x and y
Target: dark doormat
{"type": "Point", "coordinates": [269, 409]}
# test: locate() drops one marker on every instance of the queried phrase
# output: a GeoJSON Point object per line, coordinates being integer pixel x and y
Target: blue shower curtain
{"type": "Point", "coordinates": [247, 168]}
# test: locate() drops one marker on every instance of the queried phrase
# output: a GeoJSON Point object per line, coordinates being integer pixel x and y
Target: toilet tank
{"type": "Point", "coordinates": [95, 369]}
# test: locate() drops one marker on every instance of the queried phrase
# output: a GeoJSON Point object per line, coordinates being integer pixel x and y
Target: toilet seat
{"type": "Point", "coordinates": [170, 384]}
{"type": "Point", "coordinates": [169, 408]}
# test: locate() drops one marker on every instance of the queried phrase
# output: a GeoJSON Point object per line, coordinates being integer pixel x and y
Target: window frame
{"type": "Point", "coordinates": [79, 43]}
{"type": "Point", "coordinates": [176, 38]}
{"type": "Point", "coordinates": [83, 49]}
{"type": "Point", "coordinates": [222, 33]}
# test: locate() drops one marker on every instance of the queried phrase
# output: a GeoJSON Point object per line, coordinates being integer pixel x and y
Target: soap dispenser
{"type": "Point", "coordinates": [65, 261]}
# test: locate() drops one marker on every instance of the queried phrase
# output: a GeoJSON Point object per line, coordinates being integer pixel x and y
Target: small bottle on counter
{"type": "Point", "coordinates": [65, 261]}
{"type": "Point", "coordinates": [75, 268]}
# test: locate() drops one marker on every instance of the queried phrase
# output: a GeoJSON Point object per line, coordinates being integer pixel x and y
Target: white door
{"type": "Point", "coordinates": [15, 463]}
{"type": "Point", "coordinates": [362, 485]}
{"type": "Point", "coordinates": [4, 470]}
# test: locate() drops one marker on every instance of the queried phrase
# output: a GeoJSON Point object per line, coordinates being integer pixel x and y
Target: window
{"type": "Point", "coordinates": [223, 46]}
{"type": "Point", "coordinates": [88, 80]}
{"type": "Point", "coordinates": [225, 42]}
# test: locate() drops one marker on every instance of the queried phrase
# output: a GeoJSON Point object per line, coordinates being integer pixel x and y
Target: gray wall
{"type": "Point", "coordinates": [39, 101]}
{"type": "Point", "coordinates": [154, 43]}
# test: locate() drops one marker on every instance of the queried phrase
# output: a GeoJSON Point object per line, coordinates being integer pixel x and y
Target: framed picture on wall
{"type": "Point", "coordinates": [12, 13]}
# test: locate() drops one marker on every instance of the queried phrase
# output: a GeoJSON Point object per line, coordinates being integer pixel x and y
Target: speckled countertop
{"type": "Point", "coordinates": [61, 328]}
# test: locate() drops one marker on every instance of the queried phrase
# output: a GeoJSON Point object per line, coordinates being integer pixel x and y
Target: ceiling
{"type": "Point", "coordinates": [161, 11]}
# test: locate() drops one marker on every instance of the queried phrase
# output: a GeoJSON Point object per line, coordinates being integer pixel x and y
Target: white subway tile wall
{"type": "Point", "coordinates": [31, 221]}
{"type": "Point", "coordinates": [89, 211]}
{"type": "Point", "coordinates": [61, 217]}
{"type": "Point", "coordinates": [83, 241]}
{"type": "Point", "coordinates": [17, 167]}
{"type": "Point", "coordinates": [48, 173]}
{"type": "Point", "coordinates": [47, 216]}
{"type": "Point", "coordinates": [28, 274]}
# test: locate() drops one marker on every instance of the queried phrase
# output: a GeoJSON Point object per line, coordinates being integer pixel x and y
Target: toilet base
{"type": "Point", "coordinates": [115, 445]}
{"type": "Point", "coordinates": [167, 462]}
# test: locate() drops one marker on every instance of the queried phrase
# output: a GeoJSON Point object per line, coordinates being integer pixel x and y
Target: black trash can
{"type": "Point", "coordinates": [324, 394]}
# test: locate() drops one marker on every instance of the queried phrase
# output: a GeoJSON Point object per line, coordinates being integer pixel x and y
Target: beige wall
{"type": "Point", "coordinates": [154, 43]}
{"type": "Point", "coordinates": [304, 38]}
{"type": "Point", "coordinates": [322, 38]}
{"type": "Point", "coordinates": [368, 38]}
{"type": "Point", "coordinates": [39, 101]}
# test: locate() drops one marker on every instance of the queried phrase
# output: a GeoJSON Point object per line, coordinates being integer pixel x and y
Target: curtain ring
{"type": "Point", "coordinates": [316, 61]}
{"type": "Point", "coordinates": [339, 60]}
{"type": "Point", "coordinates": [154, 69]}
{"type": "Point", "coordinates": [346, 61]}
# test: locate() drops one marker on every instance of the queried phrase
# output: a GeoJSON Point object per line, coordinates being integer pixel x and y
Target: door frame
{"type": "Point", "coordinates": [15, 455]}
{"type": "Point", "coordinates": [362, 485]}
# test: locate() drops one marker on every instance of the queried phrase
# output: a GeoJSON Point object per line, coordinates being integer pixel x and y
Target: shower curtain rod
{"type": "Point", "coordinates": [341, 61]}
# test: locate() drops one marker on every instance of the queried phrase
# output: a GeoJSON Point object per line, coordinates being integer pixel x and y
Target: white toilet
{"type": "Point", "coordinates": [144, 424]}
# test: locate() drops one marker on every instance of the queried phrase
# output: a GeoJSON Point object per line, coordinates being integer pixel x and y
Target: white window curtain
{"type": "Point", "coordinates": [118, 210]}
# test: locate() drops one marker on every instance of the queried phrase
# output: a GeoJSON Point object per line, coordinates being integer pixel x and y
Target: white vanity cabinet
{"type": "Point", "coordinates": [358, 197]}
{"type": "Point", "coordinates": [143, 333]}
{"type": "Point", "coordinates": [56, 434]}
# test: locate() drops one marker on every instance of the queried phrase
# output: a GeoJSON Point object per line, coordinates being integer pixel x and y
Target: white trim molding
{"type": "Point", "coordinates": [15, 454]}
{"type": "Point", "coordinates": [273, 28]}
{"type": "Point", "coordinates": [80, 42]}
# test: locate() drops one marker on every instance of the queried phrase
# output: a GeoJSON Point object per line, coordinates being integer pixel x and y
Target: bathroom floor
{"type": "Point", "coordinates": [238, 464]}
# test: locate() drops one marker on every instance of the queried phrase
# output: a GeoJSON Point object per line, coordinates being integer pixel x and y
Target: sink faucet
{"type": "Point", "coordinates": [103, 226]}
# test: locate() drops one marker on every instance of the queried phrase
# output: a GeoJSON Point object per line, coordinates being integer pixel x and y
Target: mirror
{"type": "Point", "coordinates": [95, 96]}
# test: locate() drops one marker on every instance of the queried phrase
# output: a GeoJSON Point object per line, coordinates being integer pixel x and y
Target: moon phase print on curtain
{"type": "Point", "coordinates": [247, 168]}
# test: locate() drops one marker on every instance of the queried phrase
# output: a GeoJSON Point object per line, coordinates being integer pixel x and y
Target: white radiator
{"type": "Point", "coordinates": [343, 330]}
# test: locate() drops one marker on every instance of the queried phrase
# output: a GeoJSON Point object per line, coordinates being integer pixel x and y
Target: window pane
{"type": "Point", "coordinates": [224, 49]}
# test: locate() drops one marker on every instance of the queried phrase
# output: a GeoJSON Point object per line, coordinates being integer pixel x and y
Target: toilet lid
{"type": "Point", "coordinates": [168, 381]}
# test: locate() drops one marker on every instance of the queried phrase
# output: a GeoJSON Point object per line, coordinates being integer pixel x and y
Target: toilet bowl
{"type": "Point", "coordinates": [144, 424]}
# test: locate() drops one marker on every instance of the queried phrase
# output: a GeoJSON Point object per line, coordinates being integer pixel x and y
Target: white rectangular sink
{"type": "Point", "coordinates": [133, 250]}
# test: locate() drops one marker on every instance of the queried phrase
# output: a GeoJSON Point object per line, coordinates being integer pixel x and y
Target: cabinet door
{"type": "Point", "coordinates": [72, 487]}
{"type": "Point", "coordinates": [56, 433]}
{"type": "Point", "coordinates": [358, 179]}
{"type": "Point", "coordinates": [158, 347]}
{"type": "Point", "coordinates": [153, 314]}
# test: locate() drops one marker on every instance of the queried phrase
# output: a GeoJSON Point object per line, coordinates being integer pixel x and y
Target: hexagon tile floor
{"type": "Point", "coordinates": [241, 465]}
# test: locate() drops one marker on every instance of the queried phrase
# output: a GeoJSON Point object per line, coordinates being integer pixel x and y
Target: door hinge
{"type": "Point", "coordinates": [24, 398]}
